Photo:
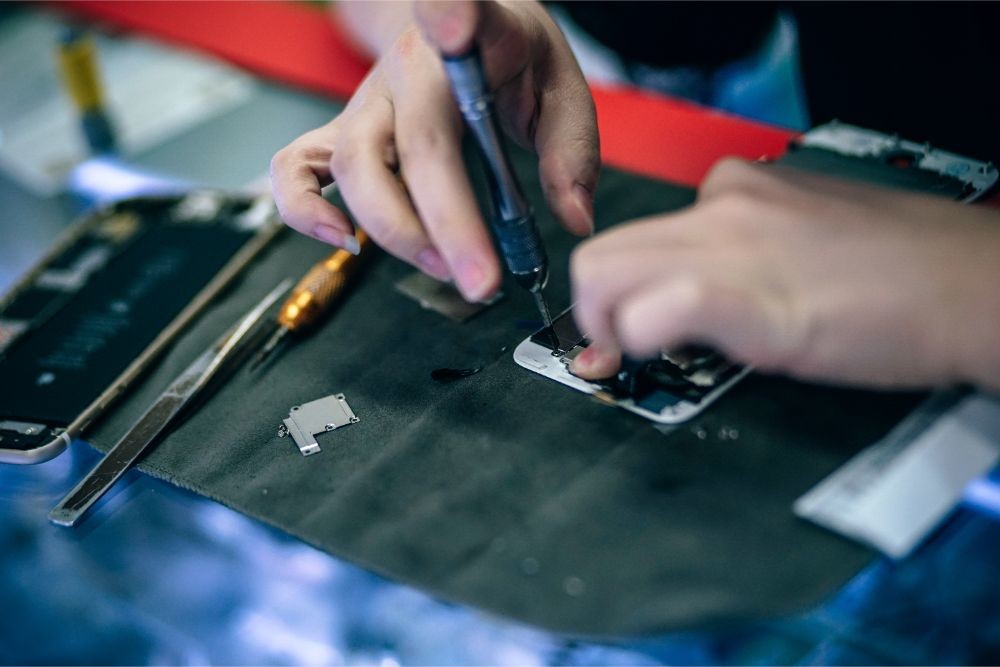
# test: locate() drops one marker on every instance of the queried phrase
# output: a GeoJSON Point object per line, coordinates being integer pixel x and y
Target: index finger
{"type": "Point", "coordinates": [298, 173]}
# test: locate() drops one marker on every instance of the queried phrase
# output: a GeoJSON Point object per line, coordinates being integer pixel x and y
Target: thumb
{"type": "Point", "coordinates": [565, 132]}
{"type": "Point", "coordinates": [566, 138]}
{"type": "Point", "coordinates": [449, 25]}
{"type": "Point", "coordinates": [569, 150]}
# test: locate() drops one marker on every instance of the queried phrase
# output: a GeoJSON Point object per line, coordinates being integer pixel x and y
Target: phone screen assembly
{"type": "Point", "coordinates": [680, 384]}
{"type": "Point", "coordinates": [113, 293]}
{"type": "Point", "coordinates": [668, 390]}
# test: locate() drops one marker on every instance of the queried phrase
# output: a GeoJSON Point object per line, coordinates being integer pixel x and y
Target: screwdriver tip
{"type": "Point", "coordinates": [543, 308]}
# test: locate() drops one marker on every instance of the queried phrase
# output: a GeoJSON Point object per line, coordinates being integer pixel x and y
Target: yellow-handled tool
{"type": "Point", "coordinates": [78, 64]}
{"type": "Point", "coordinates": [313, 296]}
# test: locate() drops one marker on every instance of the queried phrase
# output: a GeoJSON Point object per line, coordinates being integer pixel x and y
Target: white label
{"type": "Point", "coordinates": [893, 494]}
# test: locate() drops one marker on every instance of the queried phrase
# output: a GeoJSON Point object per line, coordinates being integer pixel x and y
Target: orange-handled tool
{"type": "Point", "coordinates": [314, 294]}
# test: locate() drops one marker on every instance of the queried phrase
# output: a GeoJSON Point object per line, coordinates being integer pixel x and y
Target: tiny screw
{"type": "Point", "coordinates": [295, 408]}
{"type": "Point", "coordinates": [354, 420]}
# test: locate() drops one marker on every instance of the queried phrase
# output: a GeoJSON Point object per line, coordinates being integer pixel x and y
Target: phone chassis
{"type": "Point", "coordinates": [257, 217]}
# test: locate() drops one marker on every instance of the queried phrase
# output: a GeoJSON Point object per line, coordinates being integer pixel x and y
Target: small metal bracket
{"type": "Point", "coordinates": [308, 420]}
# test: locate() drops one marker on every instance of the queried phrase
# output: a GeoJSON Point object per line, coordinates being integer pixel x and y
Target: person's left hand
{"type": "Point", "coordinates": [815, 277]}
{"type": "Point", "coordinates": [395, 151]}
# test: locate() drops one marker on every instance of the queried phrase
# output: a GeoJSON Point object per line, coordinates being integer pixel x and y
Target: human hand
{"type": "Point", "coordinates": [403, 119]}
{"type": "Point", "coordinates": [796, 273]}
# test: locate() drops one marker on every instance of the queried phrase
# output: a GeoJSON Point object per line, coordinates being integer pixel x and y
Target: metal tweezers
{"type": "Point", "coordinates": [159, 415]}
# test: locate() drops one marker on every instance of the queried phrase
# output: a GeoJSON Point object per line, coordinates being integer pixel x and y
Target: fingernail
{"type": "Point", "coordinates": [430, 261]}
{"type": "Point", "coordinates": [583, 361]}
{"type": "Point", "coordinates": [329, 235]}
{"type": "Point", "coordinates": [471, 279]}
{"type": "Point", "coordinates": [585, 202]}
{"type": "Point", "coordinates": [450, 26]}
{"type": "Point", "coordinates": [351, 244]}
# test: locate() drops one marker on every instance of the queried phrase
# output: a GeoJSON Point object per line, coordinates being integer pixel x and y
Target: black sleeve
{"type": "Point", "coordinates": [672, 34]}
{"type": "Point", "coordinates": [926, 70]}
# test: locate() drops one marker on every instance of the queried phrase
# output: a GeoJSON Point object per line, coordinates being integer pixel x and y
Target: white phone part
{"type": "Point", "coordinates": [700, 378]}
{"type": "Point", "coordinates": [961, 178]}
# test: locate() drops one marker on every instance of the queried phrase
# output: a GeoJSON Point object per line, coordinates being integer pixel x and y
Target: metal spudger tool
{"type": "Point", "coordinates": [313, 295]}
{"type": "Point", "coordinates": [159, 415]}
{"type": "Point", "coordinates": [513, 221]}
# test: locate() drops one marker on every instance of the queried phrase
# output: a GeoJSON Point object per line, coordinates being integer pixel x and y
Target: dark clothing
{"type": "Point", "coordinates": [670, 34]}
{"type": "Point", "coordinates": [923, 69]}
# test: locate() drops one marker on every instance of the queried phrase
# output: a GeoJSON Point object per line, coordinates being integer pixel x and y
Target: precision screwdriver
{"type": "Point", "coordinates": [314, 294]}
{"type": "Point", "coordinates": [513, 221]}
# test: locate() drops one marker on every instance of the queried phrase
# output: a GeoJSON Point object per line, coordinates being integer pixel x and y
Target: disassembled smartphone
{"type": "Point", "coordinates": [668, 390]}
{"type": "Point", "coordinates": [679, 384]}
{"type": "Point", "coordinates": [80, 327]}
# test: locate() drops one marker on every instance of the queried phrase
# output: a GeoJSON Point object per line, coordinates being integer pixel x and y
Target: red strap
{"type": "Point", "coordinates": [675, 140]}
{"type": "Point", "coordinates": [301, 45]}
{"type": "Point", "coordinates": [290, 42]}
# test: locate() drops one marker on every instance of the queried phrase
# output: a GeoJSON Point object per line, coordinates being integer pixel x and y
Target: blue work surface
{"type": "Point", "coordinates": [159, 575]}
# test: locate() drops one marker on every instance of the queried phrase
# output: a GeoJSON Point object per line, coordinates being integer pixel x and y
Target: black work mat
{"type": "Point", "coordinates": [508, 491]}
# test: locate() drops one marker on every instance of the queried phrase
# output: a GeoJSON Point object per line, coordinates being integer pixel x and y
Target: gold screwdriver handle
{"type": "Point", "coordinates": [320, 288]}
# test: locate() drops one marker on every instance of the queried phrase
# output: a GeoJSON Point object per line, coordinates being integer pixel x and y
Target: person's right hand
{"type": "Point", "coordinates": [805, 275]}
{"type": "Point", "coordinates": [403, 119]}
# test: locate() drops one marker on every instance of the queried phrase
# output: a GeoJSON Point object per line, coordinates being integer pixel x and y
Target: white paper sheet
{"type": "Point", "coordinates": [893, 494]}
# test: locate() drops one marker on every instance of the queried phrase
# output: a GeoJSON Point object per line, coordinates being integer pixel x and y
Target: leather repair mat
{"type": "Point", "coordinates": [505, 490]}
